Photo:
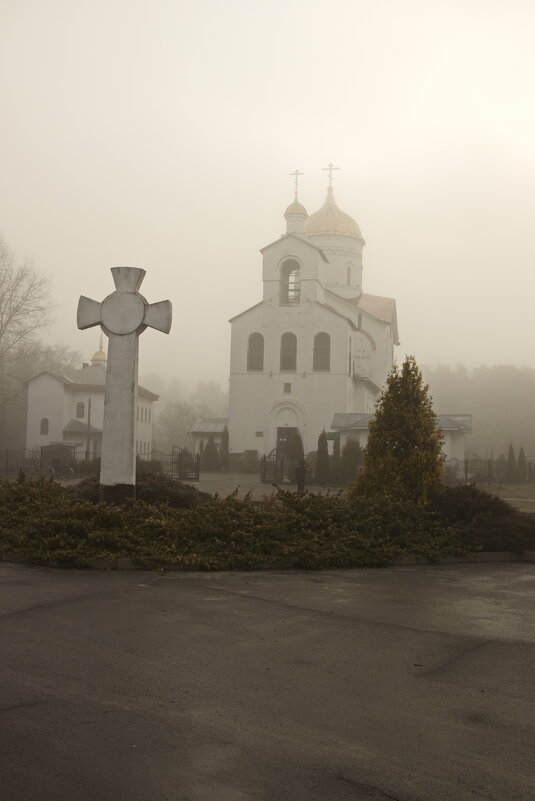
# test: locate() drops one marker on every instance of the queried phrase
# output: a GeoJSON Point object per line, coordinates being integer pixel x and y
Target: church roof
{"type": "Point", "coordinates": [79, 427]}
{"type": "Point", "coordinates": [354, 420]}
{"type": "Point", "coordinates": [351, 420]}
{"type": "Point", "coordinates": [332, 220]}
{"type": "Point", "coordinates": [209, 425]}
{"type": "Point", "coordinates": [94, 374]}
{"type": "Point", "coordinates": [377, 305]}
{"type": "Point", "coordinates": [90, 375]}
{"type": "Point", "coordinates": [301, 239]}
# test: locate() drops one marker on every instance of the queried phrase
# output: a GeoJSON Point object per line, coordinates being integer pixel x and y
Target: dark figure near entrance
{"type": "Point", "coordinates": [301, 470]}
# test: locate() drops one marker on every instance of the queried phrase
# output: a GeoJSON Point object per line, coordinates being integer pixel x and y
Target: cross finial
{"type": "Point", "coordinates": [296, 175]}
{"type": "Point", "coordinates": [330, 169]}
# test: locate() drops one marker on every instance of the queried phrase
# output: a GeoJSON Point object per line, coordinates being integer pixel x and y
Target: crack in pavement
{"type": "Point", "coordinates": [23, 706]}
{"type": "Point", "coordinates": [370, 791]}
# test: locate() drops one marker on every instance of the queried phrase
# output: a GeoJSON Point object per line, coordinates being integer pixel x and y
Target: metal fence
{"type": "Point", "coordinates": [271, 469]}
{"type": "Point", "coordinates": [186, 466]}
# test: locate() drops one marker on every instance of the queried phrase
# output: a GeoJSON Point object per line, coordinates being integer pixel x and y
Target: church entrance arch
{"type": "Point", "coordinates": [286, 417]}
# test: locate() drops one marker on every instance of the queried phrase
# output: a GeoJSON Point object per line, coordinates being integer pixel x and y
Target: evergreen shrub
{"type": "Point", "coordinates": [151, 487]}
{"type": "Point", "coordinates": [50, 523]}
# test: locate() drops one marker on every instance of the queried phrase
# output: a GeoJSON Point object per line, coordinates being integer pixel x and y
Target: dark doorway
{"type": "Point", "coordinates": [284, 435]}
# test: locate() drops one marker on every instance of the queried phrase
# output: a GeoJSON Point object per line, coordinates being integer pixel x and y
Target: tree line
{"type": "Point", "coordinates": [500, 400]}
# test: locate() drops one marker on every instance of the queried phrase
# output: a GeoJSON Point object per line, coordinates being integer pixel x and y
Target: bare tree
{"type": "Point", "coordinates": [24, 309]}
{"type": "Point", "coordinates": [24, 305]}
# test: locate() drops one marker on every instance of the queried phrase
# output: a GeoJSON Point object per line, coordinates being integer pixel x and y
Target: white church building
{"type": "Point", "coordinates": [315, 352]}
{"type": "Point", "coordinates": [316, 344]}
{"type": "Point", "coordinates": [69, 410]}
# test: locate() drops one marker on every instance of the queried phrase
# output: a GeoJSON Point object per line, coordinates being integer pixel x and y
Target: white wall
{"type": "Point", "coordinates": [45, 399]}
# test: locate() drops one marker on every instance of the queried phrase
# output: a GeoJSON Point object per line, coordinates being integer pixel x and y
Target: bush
{"type": "Point", "coordinates": [50, 523]}
{"type": "Point", "coordinates": [484, 522]}
{"type": "Point", "coordinates": [152, 488]}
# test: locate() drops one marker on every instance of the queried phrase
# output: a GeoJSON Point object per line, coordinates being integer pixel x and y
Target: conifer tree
{"type": "Point", "coordinates": [223, 450]}
{"type": "Point", "coordinates": [322, 464]}
{"type": "Point", "coordinates": [336, 466]}
{"type": "Point", "coordinates": [403, 457]}
{"type": "Point", "coordinates": [521, 467]}
{"type": "Point", "coordinates": [210, 456]}
{"type": "Point", "coordinates": [510, 466]}
{"type": "Point", "coordinates": [352, 457]}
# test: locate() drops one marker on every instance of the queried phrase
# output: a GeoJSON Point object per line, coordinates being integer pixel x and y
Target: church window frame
{"type": "Point", "coordinates": [288, 353]}
{"type": "Point", "coordinates": [80, 410]}
{"type": "Point", "coordinates": [43, 428]}
{"type": "Point", "coordinates": [255, 353]}
{"type": "Point", "coordinates": [321, 354]}
{"type": "Point", "coordinates": [290, 283]}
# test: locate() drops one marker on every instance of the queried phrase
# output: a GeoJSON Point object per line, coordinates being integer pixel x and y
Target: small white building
{"type": "Point", "coordinates": [452, 426]}
{"type": "Point", "coordinates": [316, 344]}
{"type": "Point", "coordinates": [204, 428]}
{"type": "Point", "coordinates": [69, 410]}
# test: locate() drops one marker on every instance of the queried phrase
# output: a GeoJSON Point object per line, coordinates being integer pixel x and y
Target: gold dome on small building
{"type": "Point", "coordinates": [99, 357]}
{"type": "Point", "coordinates": [332, 220]}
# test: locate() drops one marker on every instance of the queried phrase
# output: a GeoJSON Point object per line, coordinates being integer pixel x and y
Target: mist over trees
{"type": "Point", "coordinates": [25, 307]}
{"type": "Point", "coordinates": [179, 407]}
{"type": "Point", "coordinates": [500, 399]}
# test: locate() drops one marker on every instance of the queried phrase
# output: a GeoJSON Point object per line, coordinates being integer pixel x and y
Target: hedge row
{"type": "Point", "coordinates": [49, 523]}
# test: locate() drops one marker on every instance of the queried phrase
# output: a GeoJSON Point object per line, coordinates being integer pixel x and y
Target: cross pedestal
{"type": "Point", "coordinates": [123, 316]}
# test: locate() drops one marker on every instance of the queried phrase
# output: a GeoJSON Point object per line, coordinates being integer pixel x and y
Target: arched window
{"type": "Point", "coordinates": [288, 352]}
{"type": "Point", "coordinates": [290, 283]}
{"type": "Point", "coordinates": [322, 352]}
{"type": "Point", "coordinates": [255, 352]}
{"type": "Point", "coordinates": [44, 425]}
{"type": "Point", "coordinates": [80, 410]}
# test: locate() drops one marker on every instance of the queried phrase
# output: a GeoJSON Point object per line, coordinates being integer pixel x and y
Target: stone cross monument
{"type": "Point", "coordinates": [123, 316]}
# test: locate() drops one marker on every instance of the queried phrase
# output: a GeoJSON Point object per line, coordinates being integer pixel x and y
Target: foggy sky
{"type": "Point", "coordinates": [161, 134]}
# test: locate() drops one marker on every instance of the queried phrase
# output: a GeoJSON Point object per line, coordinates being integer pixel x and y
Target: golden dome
{"type": "Point", "coordinates": [295, 208]}
{"type": "Point", "coordinates": [332, 220]}
{"type": "Point", "coordinates": [99, 356]}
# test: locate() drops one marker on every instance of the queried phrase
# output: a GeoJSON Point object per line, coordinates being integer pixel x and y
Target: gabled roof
{"type": "Point", "coordinates": [455, 422]}
{"type": "Point", "coordinates": [246, 311]}
{"type": "Point", "coordinates": [302, 239]}
{"type": "Point", "coordinates": [94, 374]}
{"type": "Point", "coordinates": [338, 313]}
{"type": "Point", "coordinates": [61, 378]}
{"type": "Point", "coordinates": [90, 377]}
{"type": "Point", "coordinates": [377, 306]}
{"type": "Point", "coordinates": [351, 420]}
{"type": "Point", "coordinates": [209, 425]}
{"type": "Point", "coordinates": [355, 420]}
{"type": "Point", "coordinates": [79, 427]}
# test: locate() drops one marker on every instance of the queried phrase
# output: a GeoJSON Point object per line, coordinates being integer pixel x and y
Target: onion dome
{"type": "Point", "coordinates": [296, 217]}
{"type": "Point", "coordinates": [332, 220]}
{"type": "Point", "coordinates": [295, 208]}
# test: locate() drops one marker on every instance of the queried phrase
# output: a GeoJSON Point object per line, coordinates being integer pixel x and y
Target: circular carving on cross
{"type": "Point", "coordinates": [122, 313]}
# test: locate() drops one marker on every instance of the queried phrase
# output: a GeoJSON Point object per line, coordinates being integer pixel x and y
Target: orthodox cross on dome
{"type": "Point", "coordinates": [330, 170]}
{"type": "Point", "coordinates": [296, 175]}
{"type": "Point", "coordinates": [122, 316]}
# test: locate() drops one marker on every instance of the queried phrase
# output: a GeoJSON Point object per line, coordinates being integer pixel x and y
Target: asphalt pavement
{"type": "Point", "coordinates": [409, 684]}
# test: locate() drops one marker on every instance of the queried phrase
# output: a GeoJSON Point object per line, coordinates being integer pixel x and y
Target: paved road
{"type": "Point", "coordinates": [415, 684]}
